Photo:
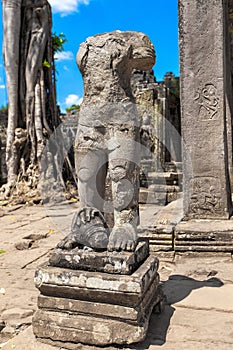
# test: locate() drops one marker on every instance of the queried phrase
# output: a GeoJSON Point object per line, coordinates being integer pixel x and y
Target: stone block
{"type": "Point", "coordinates": [163, 188]}
{"type": "Point", "coordinates": [164, 178]}
{"type": "Point", "coordinates": [83, 307]}
{"type": "Point", "coordinates": [204, 235]}
{"type": "Point", "coordinates": [96, 286]}
{"type": "Point", "coordinates": [160, 237]}
{"type": "Point", "coordinates": [108, 310]}
{"type": "Point", "coordinates": [71, 325]}
{"type": "Point", "coordinates": [110, 262]}
{"type": "Point", "coordinates": [86, 329]}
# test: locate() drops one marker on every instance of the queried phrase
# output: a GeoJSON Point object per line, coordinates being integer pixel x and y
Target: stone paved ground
{"type": "Point", "coordinates": [199, 289]}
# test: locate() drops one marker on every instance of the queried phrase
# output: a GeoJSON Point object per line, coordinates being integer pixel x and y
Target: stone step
{"type": "Point", "coordinates": [204, 235]}
{"type": "Point", "coordinates": [159, 194]}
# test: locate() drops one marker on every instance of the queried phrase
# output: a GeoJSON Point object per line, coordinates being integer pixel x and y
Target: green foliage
{"type": "Point", "coordinates": [73, 109]}
{"type": "Point", "coordinates": [58, 42]}
{"type": "Point", "coordinates": [46, 64]}
{"type": "Point", "coordinates": [2, 251]}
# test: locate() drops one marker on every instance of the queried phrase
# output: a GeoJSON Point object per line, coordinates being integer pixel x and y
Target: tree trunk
{"type": "Point", "coordinates": [11, 46]}
{"type": "Point", "coordinates": [32, 108]}
{"type": "Point", "coordinates": [32, 103]}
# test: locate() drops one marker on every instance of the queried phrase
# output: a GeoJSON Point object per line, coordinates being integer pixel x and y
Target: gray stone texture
{"type": "Point", "coordinates": [96, 286]}
{"type": "Point", "coordinates": [159, 109]}
{"type": "Point", "coordinates": [204, 236]}
{"type": "Point", "coordinates": [107, 140]}
{"type": "Point", "coordinates": [110, 262]}
{"type": "Point", "coordinates": [96, 308]}
{"type": "Point", "coordinates": [205, 109]}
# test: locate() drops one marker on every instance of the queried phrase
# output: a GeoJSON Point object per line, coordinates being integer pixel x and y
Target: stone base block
{"type": "Point", "coordinates": [160, 237]}
{"type": "Point", "coordinates": [96, 286]}
{"type": "Point", "coordinates": [159, 194]}
{"type": "Point", "coordinates": [95, 308]}
{"type": "Point", "coordinates": [204, 236]}
{"type": "Point", "coordinates": [110, 262]}
{"type": "Point", "coordinates": [67, 325]}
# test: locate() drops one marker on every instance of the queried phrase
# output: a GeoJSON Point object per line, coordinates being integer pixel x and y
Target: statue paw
{"type": "Point", "coordinates": [68, 242]}
{"type": "Point", "coordinates": [85, 215]}
{"type": "Point", "coordinates": [123, 238]}
{"type": "Point", "coordinates": [88, 229]}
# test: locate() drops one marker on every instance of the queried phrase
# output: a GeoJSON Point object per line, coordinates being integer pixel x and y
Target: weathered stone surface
{"type": "Point", "coordinates": [109, 310]}
{"type": "Point", "coordinates": [84, 329]}
{"type": "Point", "coordinates": [204, 235]}
{"type": "Point", "coordinates": [110, 262]}
{"type": "Point", "coordinates": [78, 322]}
{"type": "Point", "coordinates": [96, 286]}
{"type": "Point", "coordinates": [158, 106]}
{"type": "Point", "coordinates": [204, 94]}
{"type": "Point", "coordinates": [107, 140]}
{"type": "Point", "coordinates": [16, 314]}
{"type": "Point", "coordinates": [160, 237]}
{"type": "Point", "coordinates": [96, 308]}
{"type": "Point", "coordinates": [163, 178]}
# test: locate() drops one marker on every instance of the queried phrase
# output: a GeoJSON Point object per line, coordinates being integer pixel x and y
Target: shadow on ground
{"type": "Point", "coordinates": [176, 288]}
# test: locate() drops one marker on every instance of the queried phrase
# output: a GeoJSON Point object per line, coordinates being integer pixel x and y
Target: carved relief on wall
{"type": "Point", "coordinates": [208, 101]}
{"type": "Point", "coordinates": [205, 199]}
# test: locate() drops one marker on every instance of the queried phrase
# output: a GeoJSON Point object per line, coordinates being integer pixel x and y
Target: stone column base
{"type": "Point", "coordinates": [95, 308]}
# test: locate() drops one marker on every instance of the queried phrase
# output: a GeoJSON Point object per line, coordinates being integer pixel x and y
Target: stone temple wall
{"type": "Point", "coordinates": [159, 106]}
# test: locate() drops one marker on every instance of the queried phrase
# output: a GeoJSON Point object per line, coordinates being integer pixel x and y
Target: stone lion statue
{"type": "Point", "coordinates": [107, 140]}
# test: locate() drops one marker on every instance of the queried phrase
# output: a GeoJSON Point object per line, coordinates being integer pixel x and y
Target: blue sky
{"type": "Point", "coordinates": [78, 19]}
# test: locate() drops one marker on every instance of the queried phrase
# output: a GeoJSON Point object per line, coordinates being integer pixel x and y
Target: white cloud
{"type": "Point", "coordinates": [2, 86]}
{"type": "Point", "coordinates": [73, 99]}
{"type": "Point", "coordinates": [64, 56]}
{"type": "Point", "coordinates": [66, 7]}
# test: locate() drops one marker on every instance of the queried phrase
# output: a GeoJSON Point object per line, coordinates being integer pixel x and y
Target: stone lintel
{"type": "Point", "coordinates": [110, 262]}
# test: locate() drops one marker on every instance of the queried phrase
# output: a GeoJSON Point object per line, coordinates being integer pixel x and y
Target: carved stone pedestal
{"type": "Point", "coordinates": [97, 308]}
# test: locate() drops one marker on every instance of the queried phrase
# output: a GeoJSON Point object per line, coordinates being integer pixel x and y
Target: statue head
{"type": "Point", "coordinates": [117, 51]}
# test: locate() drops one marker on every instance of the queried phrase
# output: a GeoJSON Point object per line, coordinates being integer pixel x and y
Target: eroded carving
{"type": "Point", "coordinates": [205, 199]}
{"type": "Point", "coordinates": [88, 229]}
{"type": "Point", "coordinates": [208, 101]}
{"type": "Point", "coordinates": [108, 135]}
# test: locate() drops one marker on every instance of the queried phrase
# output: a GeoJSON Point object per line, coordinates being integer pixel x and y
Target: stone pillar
{"type": "Point", "coordinates": [204, 91]}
